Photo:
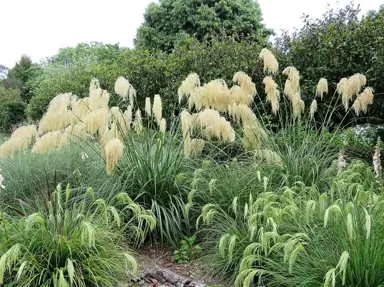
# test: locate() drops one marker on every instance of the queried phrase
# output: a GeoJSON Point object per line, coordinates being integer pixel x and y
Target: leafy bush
{"type": "Point", "coordinates": [12, 109]}
{"type": "Point", "coordinates": [12, 112]}
{"type": "Point", "coordinates": [70, 71]}
{"type": "Point", "coordinates": [71, 243]}
{"type": "Point", "coordinates": [337, 45]}
{"type": "Point", "coordinates": [149, 72]}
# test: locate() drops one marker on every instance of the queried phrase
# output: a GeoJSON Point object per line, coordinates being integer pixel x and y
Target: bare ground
{"type": "Point", "coordinates": [158, 270]}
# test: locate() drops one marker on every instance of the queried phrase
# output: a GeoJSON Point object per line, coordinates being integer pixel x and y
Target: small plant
{"type": "Point", "coordinates": [186, 251]}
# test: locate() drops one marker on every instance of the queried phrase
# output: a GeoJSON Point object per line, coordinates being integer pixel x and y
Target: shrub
{"type": "Point", "coordinates": [67, 243]}
{"type": "Point", "coordinates": [337, 45]}
{"type": "Point", "coordinates": [149, 72]}
{"type": "Point", "coordinates": [12, 109]}
{"type": "Point", "coordinates": [11, 113]}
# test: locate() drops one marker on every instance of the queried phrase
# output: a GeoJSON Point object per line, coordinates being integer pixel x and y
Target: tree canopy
{"type": "Point", "coordinates": [170, 22]}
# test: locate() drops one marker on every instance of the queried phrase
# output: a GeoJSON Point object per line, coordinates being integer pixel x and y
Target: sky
{"type": "Point", "coordinates": [39, 28]}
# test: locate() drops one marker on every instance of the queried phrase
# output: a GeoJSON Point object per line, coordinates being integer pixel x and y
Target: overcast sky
{"type": "Point", "coordinates": [39, 28]}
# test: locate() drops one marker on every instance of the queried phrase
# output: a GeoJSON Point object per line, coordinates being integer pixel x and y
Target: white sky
{"type": "Point", "coordinates": [39, 28]}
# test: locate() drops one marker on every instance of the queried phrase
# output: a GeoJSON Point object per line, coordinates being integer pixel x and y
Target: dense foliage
{"type": "Point", "coordinates": [150, 73]}
{"type": "Point", "coordinates": [246, 155]}
{"type": "Point", "coordinates": [340, 43]}
{"type": "Point", "coordinates": [172, 22]}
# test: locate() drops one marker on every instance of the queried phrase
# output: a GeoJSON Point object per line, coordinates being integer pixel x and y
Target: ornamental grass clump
{"type": "Point", "coordinates": [298, 236]}
{"type": "Point", "coordinates": [153, 170]}
{"type": "Point", "coordinates": [67, 242]}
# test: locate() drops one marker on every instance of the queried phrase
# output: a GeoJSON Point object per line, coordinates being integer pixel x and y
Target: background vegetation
{"type": "Point", "coordinates": [291, 199]}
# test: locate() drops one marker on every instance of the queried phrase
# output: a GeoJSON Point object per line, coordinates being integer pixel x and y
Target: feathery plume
{"type": "Point", "coordinates": [148, 110]}
{"type": "Point", "coordinates": [128, 117]}
{"type": "Point", "coordinates": [270, 63]}
{"type": "Point", "coordinates": [355, 82]}
{"type": "Point", "coordinates": [245, 82]}
{"type": "Point", "coordinates": [294, 78]}
{"type": "Point", "coordinates": [157, 109]}
{"type": "Point", "coordinates": [58, 115]}
{"type": "Point", "coordinates": [313, 108]}
{"type": "Point", "coordinates": [297, 105]}
{"type": "Point", "coordinates": [186, 125]}
{"type": "Point", "coordinates": [24, 135]}
{"type": "Point", "coordinates": [344, 90]}
{"type": "Point", "coordinates": [213, 125]}
{"type": "Point", "coordinates": [357, 106]}
{"type": "Point", "coordinates": [241, 113]}
{"type": "Point", "coordinates": [122, 87]}
{"type": "Point", "coordinates": [116, 116]}
{"type": "Point", "coordinates": [341, 163]}
{"type": "Point", "coordinates": [162, 125]}
{"type": "Point", "coordinates": [213, 95]}
{"type": "Point", "coordinates": [77, 132]}
{"type": "Point", "coordinates": [366, 99]}
{"type": "Point", "coordinates": [186, 88]}
{"type": "Point", "coordinates": [322, 87]}
{"type": "Point", "coordinates": [197, 146]}
{"type": "Point", "coordinates": [113, 152]}
{"type": "Point", "coordinates": [49, 142]}
{"type": "Point", "coordinates": [288, 90]}
{"type": "Point", "coordinates": [138, 123]}
{"type": "Point", "coordinates": [377, 159]}
{"type": "Point", "coordinates": [125, 90]}
{"type": "Point", "coordinates": [96, 121]}
{"type": "Point", "coordinates": [21, 139]}
{"type": "Point", "coordinates": [273, 95]}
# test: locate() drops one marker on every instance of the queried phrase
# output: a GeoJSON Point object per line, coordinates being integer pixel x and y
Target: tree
{"type": "Point", "coordinates": [173, 21]}
{"type": "Point", "coordinates": [20, 76]}
{"type": "Point", "coordinates": [17, 77]}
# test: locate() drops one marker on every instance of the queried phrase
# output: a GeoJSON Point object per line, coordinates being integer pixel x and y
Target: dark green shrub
{"type": "Point", "coordinates": [339, 45]}
{"type": "Point", "coordinates": [12, 112]}
{"type": "Point", "coordinates": [149, 72]}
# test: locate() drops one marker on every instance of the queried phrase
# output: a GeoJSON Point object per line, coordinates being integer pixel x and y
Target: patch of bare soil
{"type": "Point", "coordinates": [158, 270]}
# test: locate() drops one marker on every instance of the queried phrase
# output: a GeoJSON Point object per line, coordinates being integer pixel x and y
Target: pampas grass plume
{"type": "Point", "coordinates": [148, 110]}
{"type": "Point", "coordinates": [273, 95]}
{"type": "Point", "coordinates": [322, 87]}
{"type": "Point", "coordinates": [188, 86]}
{"type": "Point", "coordinates": [163, 125]}
{"type": "Point", "coordinates": [270, 63]}
{"type": "Point", "coordinates": [157, 108]}
{"type": "Point", "coordinates": [122, 87]}
{"type": "Point", "coordinates": [313, 108]}
{"type": "Point", "coordinates": [294, 78]}
{"type": "Point", "coordinates": [113, 152]}
{"type": "Point", "coordinates": [138, 123]}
